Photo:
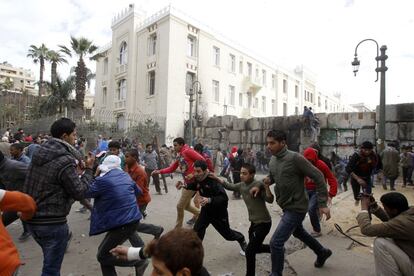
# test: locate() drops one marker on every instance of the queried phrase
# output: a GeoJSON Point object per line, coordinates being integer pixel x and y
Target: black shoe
{"type": "Point", "coordinates": [24, 236]}
{"type": "Point", "coordinates": [321, 259]}
{"type": "Point", "coordinates": [243, 245]}
{"type": "Point", "coordinates": [158, 234]}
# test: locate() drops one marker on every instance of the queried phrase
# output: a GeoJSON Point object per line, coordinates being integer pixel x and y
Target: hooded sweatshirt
{"type": "Point", "coordinates": [312, 156]}
{"type": "Point", "coordinates": [185, 159]}
{"type": "Point", "coordinates": [52, 181]}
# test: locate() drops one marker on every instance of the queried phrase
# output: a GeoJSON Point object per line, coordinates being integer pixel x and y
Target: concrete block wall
{"type": "Point", "coordinates": [399, 124]}
{"type": "Point", "coordinates": [339, 132]}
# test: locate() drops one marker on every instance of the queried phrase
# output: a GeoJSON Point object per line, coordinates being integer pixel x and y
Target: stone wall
{"type": "Point", "coordinates": [339, 132]}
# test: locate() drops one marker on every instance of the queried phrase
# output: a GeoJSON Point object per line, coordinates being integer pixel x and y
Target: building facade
{"type": "Point", "coordinates": [19, 79]}
{"type": "Point", "coordinates": [153, 64]}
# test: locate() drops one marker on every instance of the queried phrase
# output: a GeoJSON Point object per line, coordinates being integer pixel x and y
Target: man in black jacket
{"type": "Point", "coordinates": [214, 202]}
{"type": "Point", "coordinates": [53, 182]}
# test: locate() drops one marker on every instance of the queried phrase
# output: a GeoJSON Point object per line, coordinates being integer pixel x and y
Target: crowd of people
{"type": "Point", "coordinates": [40, 179]}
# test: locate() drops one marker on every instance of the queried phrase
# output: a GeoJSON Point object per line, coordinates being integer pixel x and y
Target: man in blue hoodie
{"type": "Point", "coordinates": [115, 211]}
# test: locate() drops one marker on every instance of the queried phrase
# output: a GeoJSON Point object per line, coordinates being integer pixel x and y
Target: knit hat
{"type": "Point", "coordinates": [367, 145]}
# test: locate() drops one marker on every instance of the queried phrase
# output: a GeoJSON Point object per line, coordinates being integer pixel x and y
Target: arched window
{"type": "Point", "coordinates": [123, 53]}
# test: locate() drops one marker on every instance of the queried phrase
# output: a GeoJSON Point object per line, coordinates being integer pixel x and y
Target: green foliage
{"type": "Point", "coordinates": [145, 131]}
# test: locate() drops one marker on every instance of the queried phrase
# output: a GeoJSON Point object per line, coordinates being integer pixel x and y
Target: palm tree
{"type": "Point", "coordinates": [82, 47]}
{"type": "Point", "coordinates": [60, 93]}
{"type": "Point", "coordinates": [89, 75]}
{"type": "Point", "coordinates": [39, 54]}
{"type": "Point", "coordinates": [56, 57]}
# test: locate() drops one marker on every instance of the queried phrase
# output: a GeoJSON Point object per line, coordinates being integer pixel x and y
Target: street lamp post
{"type": "Point", "coordinates": [195, 90]}
{"type": "Point", "coordinates": [380, 69]}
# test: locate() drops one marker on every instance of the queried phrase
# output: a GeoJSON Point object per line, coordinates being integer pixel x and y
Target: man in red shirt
{"type": "Point", "coordinates": [138, 174]}
{"type": "Point", "coordinates": [312, 156]}
{"type": "Point", "coordinates": [185, 159]}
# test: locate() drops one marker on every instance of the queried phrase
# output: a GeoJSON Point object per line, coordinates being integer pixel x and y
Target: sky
{"type": "Point", "coordinates": [318, 34]}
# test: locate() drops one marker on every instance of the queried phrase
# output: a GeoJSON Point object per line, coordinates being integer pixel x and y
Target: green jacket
{"type": "Point", "coordinates": [400, 228]}
{"type": "Point", "coordinates": [288, 170]}
{"type": "Point", "coordinates": [256, 206]}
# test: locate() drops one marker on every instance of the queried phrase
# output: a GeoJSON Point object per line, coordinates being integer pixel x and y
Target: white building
{"type": "Point", "coordinates": [20, 79]}
{"type": "Point", "coordinates": [151, 64]}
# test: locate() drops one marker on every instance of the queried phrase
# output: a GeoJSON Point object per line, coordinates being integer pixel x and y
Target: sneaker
{"type": "Point", "coordinates": [70, 236]}
{"type": "Point", "coordinates": [191, 221]}
{"type": "Point", "coordinates": [242, 253]}
{"type": "Point", "coordinates": [24, 236]}
{"type": "Point", "coordinates": [158, 234]}
{"type": "Point", "coordinates": [384, 187]}
{"type": "Point", "coordinates": [356, 202]}
{"type": "Point", "coordinates": [316, 234]}
{"type": "Point", "coordinates": [321, 259]}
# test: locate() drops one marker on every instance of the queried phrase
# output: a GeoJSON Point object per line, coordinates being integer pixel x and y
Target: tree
{"type": "Point", "coordinates": [60, 93]}
{"type": "Point", "coordinates": [7, 84]}
{"type": "Point", "coordinates": [56, 57]}
{"type": "Point", "coordinates": [89, 75]}
{"type": "Point", "coordinates": [82, 47]}
{"type": "Point", "coordinates": [39, 55]}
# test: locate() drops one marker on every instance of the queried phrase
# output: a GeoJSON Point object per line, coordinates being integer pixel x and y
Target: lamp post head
{"type": "Point", "coordinates": [356, 64]}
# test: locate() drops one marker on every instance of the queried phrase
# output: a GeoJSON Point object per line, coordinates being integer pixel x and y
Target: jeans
{"type": "Point", "coordinates": [257, 234]}
{"type": "Point", "coordinates": [290, 223]}
{"type": "Point", "coordinates": [53, 240]}
{"type": "Point", "coordinates": [313, 211]}
{"type": "Point", "coordinates": [356, 188]}
{"type": "Point", "coordinates": [112, 239]}
{"type": "Point", "coordinates": [392, 182]}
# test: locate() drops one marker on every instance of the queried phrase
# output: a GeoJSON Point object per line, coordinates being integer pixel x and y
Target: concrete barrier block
{"type": "Point", "coordinates": [224, 146]}
{"type": "Point", "coordinates": [239, 124]}
{"type": "Point", "coordinates": [234, 137]}
{"type": "Point", "coordinates": [227, 121]}
{"type": "Point", "coordinates": [351, 120]}
{"type": "Point", "coordinates": [391, 131]}
{"type": "Point", "coordinates": [280, 123]}
{"type": "Point", "coordinates": [328, 137]}
{"type": "Point", "coordinates": [406, 131]}
{"type": "Point", "coordinates": [216, 133]}
{"type": "Point", "coordinates": [257, 147]}
{"type": "Point", "coordinates": [299, 137]}
{"type": "Point", "coordinates": [214, 121]}
{"type": "Point", "coordinates": [257, 137]}
{"type": "Point", "coordinates": [244, 137]}
{"type": "Point", "coordinates": [398, 112]}
{"type": "Point", "coordinates": [364, 134]}
{"type": "Point", "coordinates": [208, 131]}
{"type": "Point", "coordinates": [254, 124]}
{"type": "Point", "coordinates": [345, 151]}
{"type": "Point", "coordinates": [323, 120]}
{"type": "Point", "coordinates": [346, 137]}
{"type": "Point", "coordinates": [267, 122]}
{"type": "Point", "coordinates": [326, 150]}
